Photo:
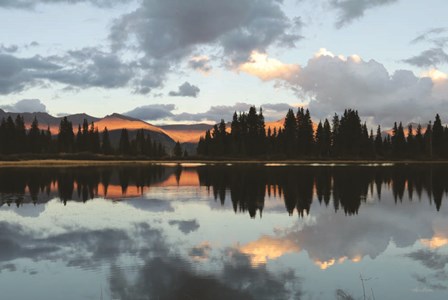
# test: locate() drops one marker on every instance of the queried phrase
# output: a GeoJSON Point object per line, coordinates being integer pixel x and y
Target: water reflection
{"type": "Point", "coordinates": [247, 187]}
{"type": "Point", "coordinates": [185, 232]}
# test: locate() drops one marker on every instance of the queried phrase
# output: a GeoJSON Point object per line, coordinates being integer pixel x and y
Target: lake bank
{"type": "Point", "coordinates": [81, 163]}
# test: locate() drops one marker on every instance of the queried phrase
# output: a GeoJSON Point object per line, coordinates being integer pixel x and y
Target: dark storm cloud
{"type": "Point", "coordinates": [152, 112]}
{"type": "Point", "coordinates": [349, 10]}
{"type": "Point", "coordinates": [429, 58]}
{"type": "Point", "coordinates": [25, 105]}
{"type": "Point", "coordinates": [186, 90]}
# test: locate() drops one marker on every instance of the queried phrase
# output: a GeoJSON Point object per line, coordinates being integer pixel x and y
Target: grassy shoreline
{"type": "Point", "coordinates": [93, 162]}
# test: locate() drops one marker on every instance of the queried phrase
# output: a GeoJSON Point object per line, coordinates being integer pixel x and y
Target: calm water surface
{"type": "Point", "coordinates": [224, 232]}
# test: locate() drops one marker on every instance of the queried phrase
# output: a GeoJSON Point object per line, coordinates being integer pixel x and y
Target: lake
{"type": "Point", "coordinates": [195, 231]}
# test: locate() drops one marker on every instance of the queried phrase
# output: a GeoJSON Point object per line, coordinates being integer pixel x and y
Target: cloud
{"type": "Point", "coordinates": [430, 259]}
{"type": "Point", "coordinates": [152, 112]}
{"type": "Point", "coordinates": [333, 83]}
{"type": "Point", "coordinates": [90, 67]}
{"type": "Point", "coordinates": [433, 36]}
{"type": "Point", "coordinates": [16, 74]}
{"type": "Point", "coordinates": [350, 10]}
{"type": "Point", "coordinates": [29, 4]}
{"type": "Point", "coordinates": [186, 90]}
{"type": "Point", "coordinates": [200, 252]}
{"type": "Point", "coordinates": [85, 68]}
{"type": "Point", "coordinates": [167, 32]}
{"type": "Point", "coordinates": [8, 49]}
{"type": "Point", "coordinates": [216, 113]}
{"type": "Point", "coordinates": [160, 35]}
{"type": "Point", "coordinates": [429, 58]}
{"type": "Point", "coordinates": [200, 63]}
{"type": "Point", "coordinates": [185, 226]}
{"type": "Point", "coordinates": [25, 105]}
{"type": "Point", "coordinates": [268, 69]}
{"type": "Point", "coordinates": [434, 56]}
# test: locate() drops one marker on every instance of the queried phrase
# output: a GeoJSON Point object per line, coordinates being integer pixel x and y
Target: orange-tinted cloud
{"type": "Point", "coordinates": [266, 248]}
{"type": "Point", "coordinates": [265, 68]}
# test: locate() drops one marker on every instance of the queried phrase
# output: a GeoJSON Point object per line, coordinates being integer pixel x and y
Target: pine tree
{"type": "Point", "coordinates": [379, 142]}
{"type": "Point", "coordinates": [290, 133]}
{"type": "Point", "coordinates": [419, 142]}
{"type": "Point", "coordinates": [398, 140]}
{"type": "Point", "coordinates": [106, 147]}
{"type": "Point", "coordinates": [437, 137]}
{"type": "Point", "coordinates": [34, 138]}
{"type": "Point", "coordinates": [20, 135]}
{"type": "Point", "coordinates": [326, 138]}
{"type": "Point", "coordinates": [124, 147]}
{"type": "Point", "coordinates": [65, 136]}
{"type": "Point", "coordinates": [177, 151]}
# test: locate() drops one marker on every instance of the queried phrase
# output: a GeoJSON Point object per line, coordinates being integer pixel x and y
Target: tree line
{"type": "Point", "coordinates": [15, 138]}
{"type": "Point", "coordinates": [344, 137]}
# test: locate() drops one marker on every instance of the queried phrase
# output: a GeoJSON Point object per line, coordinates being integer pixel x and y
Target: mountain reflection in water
{"type": "Point", "coordinates": [347, 187]}
{"type": "Point", "coordinates": [224, 232]}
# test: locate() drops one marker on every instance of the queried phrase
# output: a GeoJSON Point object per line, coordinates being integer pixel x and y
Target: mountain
{"type": "Point", "coordinates": [186, 133]}
{"type": "Point", "coordinates": [114, 123]}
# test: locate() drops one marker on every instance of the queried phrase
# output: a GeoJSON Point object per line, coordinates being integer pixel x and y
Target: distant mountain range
{"type": "Point", "coordinates": [168, 135]}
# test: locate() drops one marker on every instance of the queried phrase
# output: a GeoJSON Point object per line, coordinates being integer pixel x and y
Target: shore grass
{"type": "Point", "coordinates": [121, 162]}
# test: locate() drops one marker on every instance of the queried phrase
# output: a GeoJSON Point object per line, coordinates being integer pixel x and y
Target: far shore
{"type": "Point", "coordinates": [194, 162]}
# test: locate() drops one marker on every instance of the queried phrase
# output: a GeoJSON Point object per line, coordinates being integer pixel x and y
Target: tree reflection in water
{"type": "Point", "coordinates": [247, 186]}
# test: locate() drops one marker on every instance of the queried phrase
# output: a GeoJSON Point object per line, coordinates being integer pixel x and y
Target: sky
{"type": "Point", "coordinates": [181, 61]}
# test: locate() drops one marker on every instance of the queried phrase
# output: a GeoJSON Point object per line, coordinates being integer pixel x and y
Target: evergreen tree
{"type": "Point", "coordinates": [66, 136]}
{"type": "Point", "coordinates": [349, 136]}
{"type": "Point", "coordinates": [398, 140]}
{"type": "Point", "coordinates": [419, 142]}
{"type": "Point", "coordinates": [177, 150]}
{"type": "Point", "coordinates": [379, 142]}
{"type": "Point", "coordinates": [437, 137]}
{"type": "Point", "coordinates": [290, 133]}
{"type": "Point", "coordinates": [410, 141]}
{"type": "Point", "coordinates": [106, 147]}
{"type": "Point", "coordinates": [428, 141]}
{"type": "Point", "coordinates": [94, 139]}
{"type": "Point", "coordinates": [124, 147]}
{"type": "Point", "coordinates": [19, 135]}
{"type": "Point", "coordinates": [319, 138]}
{"type": "Point", "coordinates": [326, 138]}
{"type": "Point", "coordinates": [305, 134]}
{"type": "Point", "coordinates": [34, 137]}
{"type": "Point", "coordinates": [336, 123]}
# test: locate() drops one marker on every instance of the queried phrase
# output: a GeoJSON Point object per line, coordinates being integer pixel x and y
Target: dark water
{"type": "Point", "coordinates": [224, 232]}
